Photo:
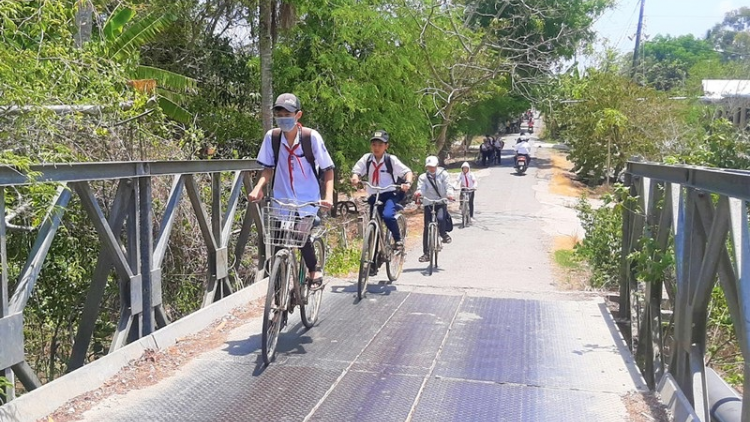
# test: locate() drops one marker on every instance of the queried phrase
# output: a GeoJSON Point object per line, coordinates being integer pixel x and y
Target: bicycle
{"type": "Point", "coordinates": [287, 228]}
{"type": "Point", "coordinates": [375, 235]}
{"type": "Point", "coordinates": [434, 242]}
{"type": "Point", "coordinates": [464, 206]}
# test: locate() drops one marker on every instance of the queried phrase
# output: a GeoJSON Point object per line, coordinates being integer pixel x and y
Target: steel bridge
{"type": "Point", "coordinates": [498, 342]}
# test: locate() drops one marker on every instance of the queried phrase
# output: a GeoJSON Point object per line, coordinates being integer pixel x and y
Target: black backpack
{"type": "Point", "coordinates": [388, 168]}
{"type": "Point", "coordinates": [305, 138]}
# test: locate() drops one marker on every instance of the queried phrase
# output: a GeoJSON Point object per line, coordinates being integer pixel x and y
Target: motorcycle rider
{"type": "Point", "coordinates": [523, 147]}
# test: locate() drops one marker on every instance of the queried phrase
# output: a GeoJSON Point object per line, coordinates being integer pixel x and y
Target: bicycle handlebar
{"type": "Point", "coordinates": [435, 201]}
{"type": "Point", "coordinates": [295, 205]}
{"type": "Point", "coordinates": [379, 188]}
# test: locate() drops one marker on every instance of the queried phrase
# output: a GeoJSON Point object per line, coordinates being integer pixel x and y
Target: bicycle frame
{"type": "Point", "coordinates": [290, 253]}
{"type": "Point", "coordinates": [377, 220]}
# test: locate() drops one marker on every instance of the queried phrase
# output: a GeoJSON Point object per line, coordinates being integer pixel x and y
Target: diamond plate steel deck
{"type": "Point", "coordinates": [370, 397]}
{"type": "Point", "coordinates": [501, 359]}
{"type": "Point", "coordinates": [457, 400]}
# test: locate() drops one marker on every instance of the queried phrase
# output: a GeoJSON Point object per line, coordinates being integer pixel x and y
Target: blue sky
{"type": "Point", "coordinates": [674, 17]}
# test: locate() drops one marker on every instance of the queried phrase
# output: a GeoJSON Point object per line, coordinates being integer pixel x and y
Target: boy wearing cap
{"type": "Point", "coordinates": [383, 169]}
{"type": "Point", "coordinates": [467, 180]}
{"type": "Point", "coordinates": [434, 185]}
{"type": "Point", "coordinates": [292, 167]}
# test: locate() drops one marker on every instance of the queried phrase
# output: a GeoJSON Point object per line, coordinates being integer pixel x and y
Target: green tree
{"type": "Point", "coordinates": [668, 60]}
{"type": "Point", "coordinates": [732, 35]}
{"type": "Point", "coordinates": [353, 65]}
{"type": "Point", "coordinates": [467, 47]}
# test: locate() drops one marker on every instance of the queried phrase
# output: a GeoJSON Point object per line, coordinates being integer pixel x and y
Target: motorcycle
{"type": "Point", "coordinates": [521, 164]}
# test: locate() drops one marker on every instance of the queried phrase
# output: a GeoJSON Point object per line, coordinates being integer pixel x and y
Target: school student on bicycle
{"type": "Point", "coordinates": [383, 169]}
{"type": "Point", "coordinates": [467, 180]}
{"type": "Point", "coordinates": [434, 185]}
{"type": "Point", "coordinates": [291, 156]}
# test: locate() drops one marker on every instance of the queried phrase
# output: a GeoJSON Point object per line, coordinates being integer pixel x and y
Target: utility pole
{"type": "Point", "coordinates": [638, 39]}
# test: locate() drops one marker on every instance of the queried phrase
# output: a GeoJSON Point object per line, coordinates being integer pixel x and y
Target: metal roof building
{"type": "Point", "coordinates": [732, 94]}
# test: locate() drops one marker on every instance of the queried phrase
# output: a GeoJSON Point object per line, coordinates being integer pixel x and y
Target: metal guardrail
{"type": "Point", "coordinates": [703, 213]}
{"type": "Point", "coordinates": [137, 261]}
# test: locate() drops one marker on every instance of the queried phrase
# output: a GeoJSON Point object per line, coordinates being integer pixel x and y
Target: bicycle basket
{"type": "Point", "coordinates": [287, 225]}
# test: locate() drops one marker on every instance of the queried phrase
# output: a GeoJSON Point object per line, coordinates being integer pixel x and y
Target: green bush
{"type": "Point", "coordinates": [602, 246]}
{"type": "Point", "coordinates": [343, 261]}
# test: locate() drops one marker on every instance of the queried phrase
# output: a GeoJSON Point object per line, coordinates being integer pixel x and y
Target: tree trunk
{"type": "Point", "coordinates": [441, 139]}
{"type": "Point", "coordinates": [84, 20]}
{"type": "Point", "coordinates": [266, 64]}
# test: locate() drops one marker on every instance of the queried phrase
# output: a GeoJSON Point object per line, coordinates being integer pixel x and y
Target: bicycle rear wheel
{"type": "Point", "coordinates": [276, 307]}
{"type": "Point", "coordinates": [367, 260]}
{"type": "Point", "coordinates": [395, 265]}
{"type": "Point", "coordinates": [311, 303]}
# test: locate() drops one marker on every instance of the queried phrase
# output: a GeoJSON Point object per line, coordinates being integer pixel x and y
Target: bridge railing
{"type": "Point", "coordinates": [701, 214]}
{"type": "Point", "coordinates": [129, 244]}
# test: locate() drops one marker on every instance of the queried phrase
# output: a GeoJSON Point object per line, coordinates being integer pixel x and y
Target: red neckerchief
{"type": "Point", "coordinates": [292, 156]}
{"type": "Point", "coordinates": [376, 173]}
{"type": "Point", "coordinates": [466, 179]}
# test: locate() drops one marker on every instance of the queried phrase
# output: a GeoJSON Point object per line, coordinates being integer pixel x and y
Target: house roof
{"type": "Point", "coordinates": [716, 90]}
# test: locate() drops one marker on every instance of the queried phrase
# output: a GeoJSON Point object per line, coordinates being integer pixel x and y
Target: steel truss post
{"type": "Point", "coordinates": [87, 321]}
{"type": "Point", "coordinates": [253, 214]}
{"type": "Point", "coordinates": [625, 268]}
{"type": "Point", "coordinates": [30, 273]}
{"type": "Point", "coordinates": [8, 393]}
{"type": "Point", "coordinates": [741, 243]}
{"type": "Point", "coordinates": [129, 325]}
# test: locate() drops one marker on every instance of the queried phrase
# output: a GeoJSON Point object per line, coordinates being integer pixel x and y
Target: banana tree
{"type": "Point", "coordinates": [123, 37]}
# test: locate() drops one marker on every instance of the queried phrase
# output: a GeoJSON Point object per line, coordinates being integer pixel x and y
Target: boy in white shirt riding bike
{"type": "Point", "coordinates": [382, 170]}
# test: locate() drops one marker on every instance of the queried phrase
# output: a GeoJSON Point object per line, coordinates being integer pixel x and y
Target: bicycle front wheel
{"type": "Point", "coordinates": [311, 303]}
{"type": "Point", "coordinates": [276, 307]}
{"type": "Point", "coordinates": [432, 247]}
{"type": "Point", "coordinates": [395, 265]}
{"type": "Point", "coordinates": [366, 261]}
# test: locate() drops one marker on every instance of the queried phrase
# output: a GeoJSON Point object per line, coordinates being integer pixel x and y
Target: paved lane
{"type": "Point", "coordinates": [485, 338]}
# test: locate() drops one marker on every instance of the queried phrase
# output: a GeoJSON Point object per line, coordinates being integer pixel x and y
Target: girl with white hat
{"type": "Point", "coordinates": [467, 180]}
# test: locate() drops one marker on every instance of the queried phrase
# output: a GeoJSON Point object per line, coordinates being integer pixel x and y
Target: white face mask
{"type": "Point", "coordinates": [286, 124]}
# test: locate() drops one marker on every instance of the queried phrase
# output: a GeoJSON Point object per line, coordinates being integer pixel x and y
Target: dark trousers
{"type": "Point", "coordinates": [307, 251]}
{"type": "Point", "coordinates": [388, 210]}
{"type": "Point", "coordinates": [442, 213]}
{"type": "Point", "coordinates": [486, 155]}
{"type": "Point", "coordinates": [471, 202]}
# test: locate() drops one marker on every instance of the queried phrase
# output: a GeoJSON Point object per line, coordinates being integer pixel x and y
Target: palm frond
{"type": "Point", "coordinates": [175, 112]}
{"type": "Point", "coordinates": [116, 22]}
{"type": "Point", "coordinates": [175, 97]}
{"type": "Point", "coordinates": [138, 34]}
{"type": "Point", "coordinates": [166, 79]}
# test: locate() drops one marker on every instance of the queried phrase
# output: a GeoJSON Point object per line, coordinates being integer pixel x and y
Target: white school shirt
{"type": "Point", "coordinates": [384, 178]}
{"type": "Point", "coordinates": [523, 148]}
{"type": "Point", "coordinates": [306, 187]}
{"type": "Point", "coordinates": [467, 177]}
{"type": "Point", "coordinates": [442, 181]}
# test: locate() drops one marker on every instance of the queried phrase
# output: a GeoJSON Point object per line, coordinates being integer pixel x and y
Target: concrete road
{"type": "Point", "coordinates": [488, 337]}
